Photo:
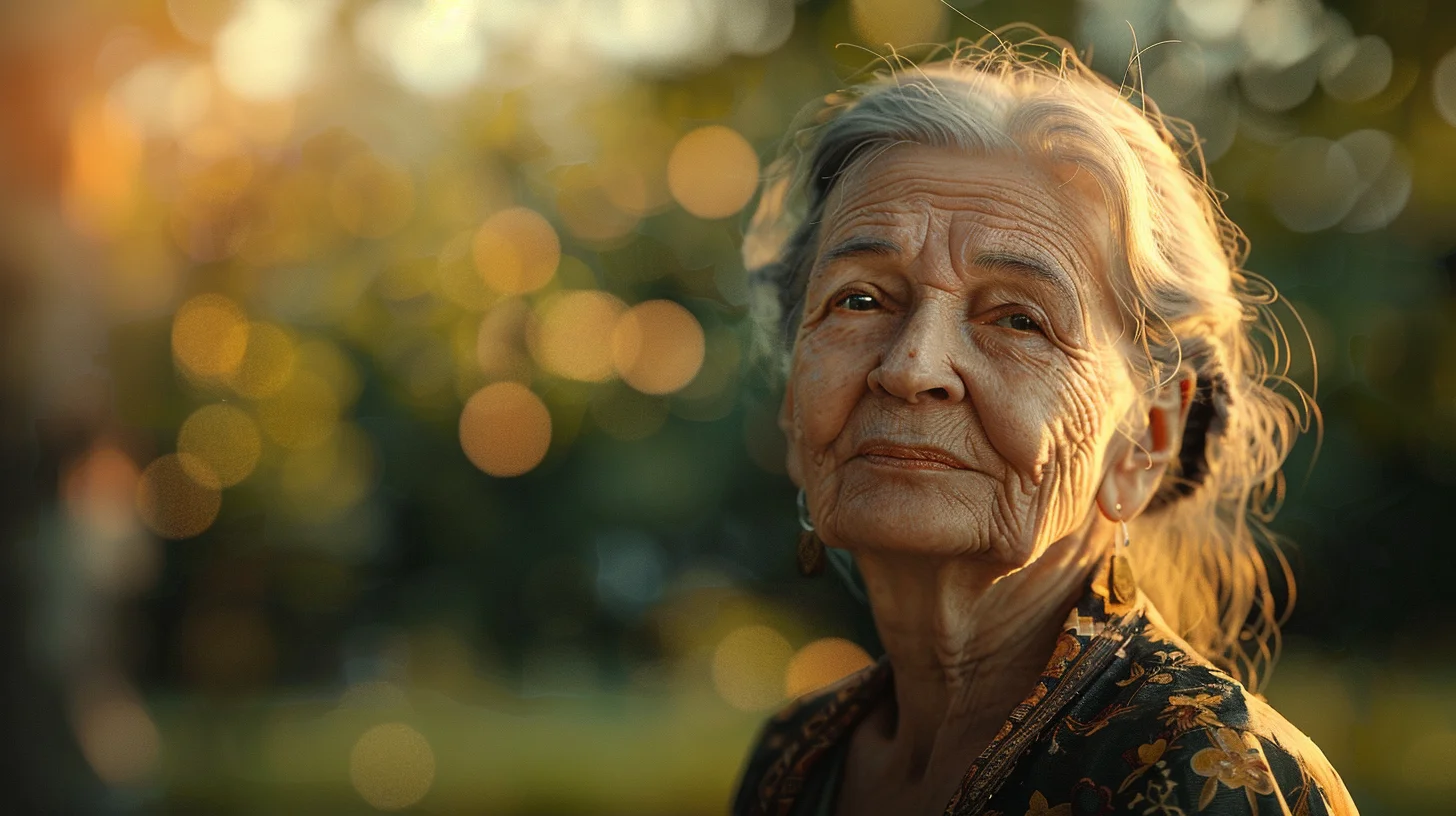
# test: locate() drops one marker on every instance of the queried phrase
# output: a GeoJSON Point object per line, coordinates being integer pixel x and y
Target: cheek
{"type": "Point", "coordinates": [1041, 418]}
{"type": "Point", "coordinates": [829, 376]}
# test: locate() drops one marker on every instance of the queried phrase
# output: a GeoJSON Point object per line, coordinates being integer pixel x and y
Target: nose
{"type": "Point", "coordinates": [918, 363]}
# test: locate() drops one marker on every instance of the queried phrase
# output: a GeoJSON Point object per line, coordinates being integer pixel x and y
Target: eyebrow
{"type": "Point", "coordinates": [853, 247]}
{"type": "Point", "coordinates": [1029, 265]}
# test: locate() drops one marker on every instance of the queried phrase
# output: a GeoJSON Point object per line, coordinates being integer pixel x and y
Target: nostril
{"type": "Point", "coordinates": [938, 394]}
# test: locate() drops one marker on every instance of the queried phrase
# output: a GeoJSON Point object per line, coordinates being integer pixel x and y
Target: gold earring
{"type": "Point", "coordinates": [812, 558]}
{"type": "Point", "coordinates": [1121, 581]}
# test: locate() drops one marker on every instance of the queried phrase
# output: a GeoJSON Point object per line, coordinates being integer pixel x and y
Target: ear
{"type": "Point", "coordinates": [791, 436]}
{"type": "Point", "coordinates": [1136, 470]}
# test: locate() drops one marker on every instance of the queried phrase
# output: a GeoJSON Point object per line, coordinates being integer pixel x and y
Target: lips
{"type": "Point", "coordinates": [917, 457]}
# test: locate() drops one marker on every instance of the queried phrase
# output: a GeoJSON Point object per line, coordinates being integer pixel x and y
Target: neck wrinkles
{"type": "Point", "coordinates": [967, 641]}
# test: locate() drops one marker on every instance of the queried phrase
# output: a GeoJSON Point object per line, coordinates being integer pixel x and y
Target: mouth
{"type": "Point", "coordinates": [911, 457]}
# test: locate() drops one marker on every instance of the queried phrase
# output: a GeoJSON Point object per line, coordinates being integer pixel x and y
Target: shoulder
{"type": "Point", "coordinates": [1205, 744]}
{"type": "Point", "coordinates": [792, 741]}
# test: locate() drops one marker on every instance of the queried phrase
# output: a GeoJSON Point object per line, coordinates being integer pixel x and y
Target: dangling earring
{"type": "Point", "coordinates": [812, 558]}
{"type": "Point", "coordinates": [1121, 582]}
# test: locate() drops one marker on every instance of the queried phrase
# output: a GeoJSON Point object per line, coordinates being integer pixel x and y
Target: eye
{"type": "Point", "coordinates": [1019, 321]}
{"type": "Point", "coordinates": [856, 302]}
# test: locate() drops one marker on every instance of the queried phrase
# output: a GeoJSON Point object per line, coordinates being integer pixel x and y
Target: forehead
{"type": "Point", "coordinates": [914, 194]}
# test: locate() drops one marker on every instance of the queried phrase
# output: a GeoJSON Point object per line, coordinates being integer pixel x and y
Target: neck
{"type": "Point", "coordinates": [967, 639]}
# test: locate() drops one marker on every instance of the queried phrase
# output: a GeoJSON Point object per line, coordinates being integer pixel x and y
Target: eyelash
{"type": "Point", "coordinates": [1035, 325]}
{"type": "Point", "coordinates": [842, 302]}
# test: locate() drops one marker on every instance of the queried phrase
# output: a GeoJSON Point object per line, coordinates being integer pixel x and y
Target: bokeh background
{"type": "Point", "coordinates": [378, 429]}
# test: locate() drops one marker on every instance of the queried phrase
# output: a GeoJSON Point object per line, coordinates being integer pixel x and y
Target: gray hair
{"type": "Point", "coordinates": [1178, 279]}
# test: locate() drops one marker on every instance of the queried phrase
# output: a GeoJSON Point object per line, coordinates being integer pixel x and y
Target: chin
{"type": "Point", "coordinates": [937, 513]}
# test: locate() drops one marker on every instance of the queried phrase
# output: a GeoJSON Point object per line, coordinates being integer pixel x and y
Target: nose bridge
{"type": "Point", "coordinates": [918, 362]}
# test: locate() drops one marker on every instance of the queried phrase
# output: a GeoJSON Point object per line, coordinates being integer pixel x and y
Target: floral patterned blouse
{"type": "Point", "coordinates": [1125, 718]}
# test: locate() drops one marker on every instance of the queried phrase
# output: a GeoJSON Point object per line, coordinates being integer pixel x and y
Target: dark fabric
{"type": "Point", "coordinates": [1125, 718]}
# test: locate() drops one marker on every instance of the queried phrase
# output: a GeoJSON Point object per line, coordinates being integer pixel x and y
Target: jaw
{"type": "Point", "coordinates": [940, 513]}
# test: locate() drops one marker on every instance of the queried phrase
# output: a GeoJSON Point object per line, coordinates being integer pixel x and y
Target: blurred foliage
{"type": "Point", "coordinates": [383, 365]}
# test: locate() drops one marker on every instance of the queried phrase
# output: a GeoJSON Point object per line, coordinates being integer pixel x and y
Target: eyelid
{"type": "Point", "coordinates": [857, 288]}
{"type": "Point", "coordinates": [1005, 313]}
{"type": "Point", "coordinates": [842, 297]}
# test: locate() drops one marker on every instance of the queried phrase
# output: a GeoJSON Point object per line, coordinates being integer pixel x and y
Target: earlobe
{"type": "Point", "coordinates": [1134, 474]}
{"type": "Point", "coordinates": [1109, 499]}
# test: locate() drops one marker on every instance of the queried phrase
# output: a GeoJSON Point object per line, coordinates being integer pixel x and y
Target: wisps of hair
{"type": "Point", "coordinates": [1203, 550]}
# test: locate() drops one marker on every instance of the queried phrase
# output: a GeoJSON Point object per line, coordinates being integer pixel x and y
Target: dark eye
{"type": "Point", "coordinates": [1018, 322]}
{"type": "Point", "coordinates": [857, 302]}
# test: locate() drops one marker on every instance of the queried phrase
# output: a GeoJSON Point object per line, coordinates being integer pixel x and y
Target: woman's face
{"type": "Point", "coordinates": [960, 370]}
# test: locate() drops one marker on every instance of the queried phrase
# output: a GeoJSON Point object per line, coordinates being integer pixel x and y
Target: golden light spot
{"type": "Point", "coordinates": [209, 336]}
{"type": "Point", "coordinates": [322, 482]}
{"type": "Point", "coordinates": [898, 22]}
{"type": "Point", "coordinates": [516, 251]}
{"type": "Point", "coordinates": [392, 766]}
{"type": "Point", "coordinates": [116, 735]}
{"type": "Point", "coordinates": [106, 151]}
{"type": "Point", "coordinates": [223, 440]}
{"type": "Point", "coordinates": [505, 429]}
{"type": "Point", "coordinates": [748, 667]}
{"type": "Point", "coordinates": [173, 501]}
{"type": "Point", "coordinates": [372, 197]}
{"type": "Point", "coordinates": [658, 347]}
{"type": "Point", "coordinates": [303, 413]}
{"type": "Point", "coordinates": [823, 662]}
{"type": "Point", "coordinates": [712, 172]}
{"type": "Point", "coordinates": [572, 337]}
{"type": "Point", "coordinates": [267, 363]}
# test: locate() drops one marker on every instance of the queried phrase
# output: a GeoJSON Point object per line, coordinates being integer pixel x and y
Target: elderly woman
{"type": "Point", "coordinates": [1026, 393]}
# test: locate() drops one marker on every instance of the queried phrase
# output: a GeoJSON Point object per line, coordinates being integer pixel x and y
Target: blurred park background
{"type": "Point", "coordinates": [378, 432]}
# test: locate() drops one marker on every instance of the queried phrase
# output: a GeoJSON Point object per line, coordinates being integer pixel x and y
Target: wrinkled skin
{"type": "Point", "coordinates": [923, 327]}
{"type": "Point", "coordinates": [959, 408]}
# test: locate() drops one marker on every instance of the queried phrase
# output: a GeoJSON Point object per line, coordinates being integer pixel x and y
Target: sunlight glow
{"type": "Point", "coordinates": [177, 496]}
{"type": "Point", "coordinates": [267, 50]}
{"type": "Point", "coordinates": [712, 172]}
{"type": "Point", "coordinates": [822, 662]}
{"type": "Point", "coordinates": [505, 429]}
{"type": "Point", "coordinates": [392, 766]}
{"type": "Point", "coordinates": [748, 667]}
{"type": "Point", "coordinates": [658, 347]}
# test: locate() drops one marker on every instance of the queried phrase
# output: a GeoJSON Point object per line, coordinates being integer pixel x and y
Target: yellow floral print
{"type": "Point", "coordinates": [1235, 760]}
{"type": "Point", "coordinates": [1149, 754]}
{"type": "Point", "coordinates": [1039, 807]}
{"type": "Point", "coordinates": [1185, 712]}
